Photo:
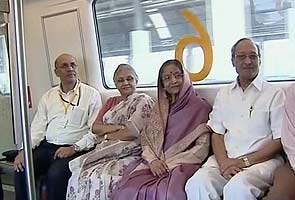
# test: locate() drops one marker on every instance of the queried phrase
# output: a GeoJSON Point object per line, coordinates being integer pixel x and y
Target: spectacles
{"type": "Point", "coordinates": [169, 77]}
{"type": "Point", "coordinates": [243, 57]}
{"type": "Point", "coordinates": [67, 66]}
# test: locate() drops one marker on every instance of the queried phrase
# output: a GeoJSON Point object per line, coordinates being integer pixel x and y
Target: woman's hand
{"type": "Point", "coordinates": [158, 167]}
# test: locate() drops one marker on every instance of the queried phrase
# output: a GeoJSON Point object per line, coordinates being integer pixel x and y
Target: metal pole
{"type": "Point", "coordinates": [22, 79]}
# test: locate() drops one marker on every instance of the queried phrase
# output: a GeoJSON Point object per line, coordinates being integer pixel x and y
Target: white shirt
{"type": "Point", "coordinates": [248, 119]}
{"type": "Point", "coordinates": [63, 123]}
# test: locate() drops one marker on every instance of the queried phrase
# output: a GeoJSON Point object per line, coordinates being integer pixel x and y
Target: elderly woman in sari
{"type": "Point", "coordinates": [117, 128]}
{"type": "Point", "coordinates": [175, 141]}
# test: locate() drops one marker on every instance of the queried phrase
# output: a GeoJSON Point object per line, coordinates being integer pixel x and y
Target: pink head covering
{"type": "Point", "coordinates": [186, 114]}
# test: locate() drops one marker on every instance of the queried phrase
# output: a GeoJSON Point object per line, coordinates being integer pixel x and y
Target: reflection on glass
{"type": "Point", "coordinates": [7, 141]}
{"type": "Point", "coordinates": [4, 70]}
{"type": "Point", "coordinates": [144, 33]}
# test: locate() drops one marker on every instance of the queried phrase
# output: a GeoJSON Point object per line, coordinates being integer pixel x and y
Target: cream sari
{"type": "Point", "coordinates": [94, 173]}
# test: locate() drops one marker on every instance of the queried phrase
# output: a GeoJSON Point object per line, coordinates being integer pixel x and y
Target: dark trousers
{"type": "Point", "coordinates": [56, 172]}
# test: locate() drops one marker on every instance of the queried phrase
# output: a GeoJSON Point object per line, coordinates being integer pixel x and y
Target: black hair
{"type": "Point", "coordinates": [175, 62]}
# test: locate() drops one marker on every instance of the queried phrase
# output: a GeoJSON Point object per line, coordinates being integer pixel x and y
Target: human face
{"type": "Point", "coordinates": [172, 79]}
{"type": "Point", "coordinates": [125, 82]}
{"type": "Point", "coordinates": [246, 60]}
{"type": "Point", "coordinates": [65, 69]}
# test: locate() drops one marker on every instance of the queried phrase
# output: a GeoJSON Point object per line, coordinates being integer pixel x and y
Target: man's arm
{"type": "Point", "coordinates": [267, 152]}
{"type": "Point", "coordinates": [39, 123]}
{"type": "Point", "coordinates": [228, 166]}
{"type": "Point", "coordinates": [273, 147]}
{"type": "Point", "coordinates": [38, 129]}
{"type": "Point", "coordinates": [219, 148]}
{"type": "Point", "coordinates": [89, 140]}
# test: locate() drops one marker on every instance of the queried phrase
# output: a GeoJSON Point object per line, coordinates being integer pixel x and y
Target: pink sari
{"type": "Point", "coordinates": [178, 136]}
{"type": "Point", "coordinates": [288, 131]}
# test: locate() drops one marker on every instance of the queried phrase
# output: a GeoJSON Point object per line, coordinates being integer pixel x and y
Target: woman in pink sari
{"type": "Point", "coordinates": [284, 177]}
{"type": "Point", "coordinates": [175, 142]}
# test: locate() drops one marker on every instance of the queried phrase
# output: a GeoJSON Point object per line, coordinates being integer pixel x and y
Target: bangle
{"type": "Point", "coordinates": [105, 137]}
{"type": "Point", "coordinates": [76, 148]}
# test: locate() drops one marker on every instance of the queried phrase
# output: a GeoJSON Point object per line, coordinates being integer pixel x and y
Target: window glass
{"type": "Point", "coordinates": [6, 123]}
{"type": "Point", "coordinates": [145, 33]}
{"type": "Point", "coordinates": [4, 70]}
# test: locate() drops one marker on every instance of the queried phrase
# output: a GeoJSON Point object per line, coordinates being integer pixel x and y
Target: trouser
{"type": "Point", "coordinates": [56, 172]}
{"type": "Point", "coordinates": [284, 184]}
{"type": "Point", "coordinates": [250, 184]}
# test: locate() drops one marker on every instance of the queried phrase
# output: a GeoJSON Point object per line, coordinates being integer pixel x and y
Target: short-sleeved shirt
{"type": "Point", "coordinates": [248, 119]}
{"type": "Point", "coordinates": [66, 118]}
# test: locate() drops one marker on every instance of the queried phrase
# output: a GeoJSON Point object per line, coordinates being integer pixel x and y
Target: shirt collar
{"type": "Point", "coordinates": [257, 83]}
{"type": "Point", "coordinates": [74, 90]}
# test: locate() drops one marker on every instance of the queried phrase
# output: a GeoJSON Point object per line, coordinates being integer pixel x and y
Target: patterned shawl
{"type": "Point", "coordinates": [168, 126]}
{"type": "Point", "coordinates": [133, 113]}
{"type": "Point", "coordinates": [288, 130]}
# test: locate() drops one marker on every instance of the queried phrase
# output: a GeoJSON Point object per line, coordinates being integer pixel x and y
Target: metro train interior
{"type": "Point", "coordinates": [143, 33]}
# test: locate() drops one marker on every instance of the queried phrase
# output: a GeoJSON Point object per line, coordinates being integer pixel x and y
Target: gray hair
{"type": "Point", "coordinates": [125, 66]}
{"type": "Point", "coordinates": [233, 49]}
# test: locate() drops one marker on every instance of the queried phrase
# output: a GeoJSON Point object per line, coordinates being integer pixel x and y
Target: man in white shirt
{"type": "Point", "coordinates": [60, 130]}
{"type": "Point", "coordinates": [246, 124]}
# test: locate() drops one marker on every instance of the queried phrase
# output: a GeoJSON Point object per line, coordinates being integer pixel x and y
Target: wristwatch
{"type": "Point", "coordinates": [105, 137]}
{"type": "Point", "coordinates": [246, 161]}
{"type": "Point", "coordinates": [76, 148]}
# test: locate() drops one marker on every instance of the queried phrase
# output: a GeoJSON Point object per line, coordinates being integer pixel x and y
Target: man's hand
{"type": "Point", "coordinates": [19, 163]}
{"type": "Point", "coordinates": [231, 171]}
{"type": "Point", "coordinates": [64, 152]}
{"type": "Point", "coordinates": [158, 167]}
{"type": "Point", "coordinates": [230, 162]}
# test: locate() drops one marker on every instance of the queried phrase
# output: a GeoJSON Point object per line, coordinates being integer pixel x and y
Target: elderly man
{"type": "Point", "coordinates": [284, 179]}
{"type": "Point", "coordinates": [246, 129]}
{"type": "Point", "coordinates": [60, 130]}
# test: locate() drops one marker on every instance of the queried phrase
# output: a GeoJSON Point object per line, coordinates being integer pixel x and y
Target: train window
{"type": "Point", "coordinates": [6, 118]}
{"type": "Point", "coordinates": [145, 33]}
{"type": "Point", "coordinates": [4, 69]}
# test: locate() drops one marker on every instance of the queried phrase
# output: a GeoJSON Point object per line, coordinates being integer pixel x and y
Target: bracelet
{"type": "Point", "coordinates": [105, 137]}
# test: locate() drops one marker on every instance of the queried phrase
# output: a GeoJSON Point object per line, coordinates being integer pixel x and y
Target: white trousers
{"type": "Point", "coordinates": [208, 184]}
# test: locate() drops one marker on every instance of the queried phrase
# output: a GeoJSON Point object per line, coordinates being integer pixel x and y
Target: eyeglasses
{"type": "Point", "coordinates": [243, 57]}
{"type": "Point", "coordinates": [169, 77]}
{"type": "Point", "coordinates": [128, 79]}
{"type": "Point", "coordinates": [67, 66]}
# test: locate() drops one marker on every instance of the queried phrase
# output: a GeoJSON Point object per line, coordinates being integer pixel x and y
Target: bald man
{"type": "Point", "coordinates": [60, 130]}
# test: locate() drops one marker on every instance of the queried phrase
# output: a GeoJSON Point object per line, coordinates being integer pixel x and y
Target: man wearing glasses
{"type": "Point", "coordinates": [246, 125]}
{"type": "Point", "coordinates": [60, 130]}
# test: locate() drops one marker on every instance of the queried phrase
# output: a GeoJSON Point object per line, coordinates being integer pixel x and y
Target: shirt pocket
{"type": "Point", "coordinates": [228, 117]}
{"type": "Point", "coordinates": [260, 117]}
{"type": "Point", "coordinates": [76, 118]}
